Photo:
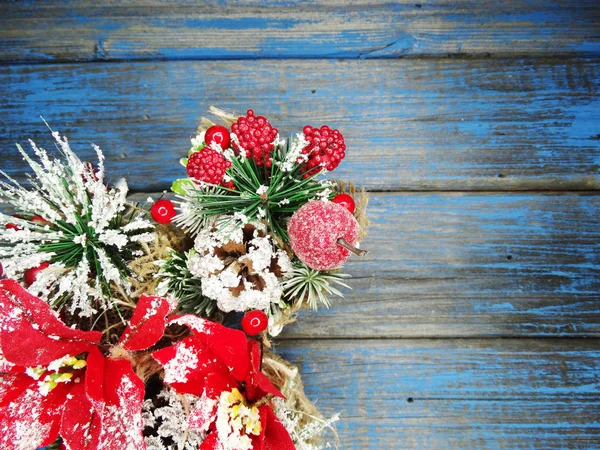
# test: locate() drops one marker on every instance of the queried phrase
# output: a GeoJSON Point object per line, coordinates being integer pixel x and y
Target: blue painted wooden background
{"type": "Point", "coordinates": [474, 320]}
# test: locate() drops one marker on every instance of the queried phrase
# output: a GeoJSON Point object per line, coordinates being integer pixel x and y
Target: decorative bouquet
{"type": "Point", "coordinates": [126, 328]}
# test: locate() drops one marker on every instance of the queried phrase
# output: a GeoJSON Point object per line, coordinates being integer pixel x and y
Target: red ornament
{"type": "Point", "coordinates": [346, 201]}
{"type": "Point", "coordinates": [31, 275]}
{"type": "Point", "coordinates": [322, 234]}
{"type": "Point", "coordinates": [209, 166]}
{"type": "Point", "coordinates": [255, 322]}
{"type": "Point", "coordinates": [163, 211]}
{"type": "Point", "coordinates": [256, 137]}
{"type": "Point", "coordinates": [325, 149]}
{"type": "Point", "coordinates": [218, 134]}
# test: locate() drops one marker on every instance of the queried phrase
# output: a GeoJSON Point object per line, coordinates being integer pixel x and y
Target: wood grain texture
{"type": "Point", "coordinates": [93, 31]}
{"type": "Point", "coordinates": [438, 266]}
{"type": "Point", "coordinates": [409, 124]}
{"type": "Point", "coordinates": [469, 265]}
{"type": "Point", "coordinates": [466, 394]}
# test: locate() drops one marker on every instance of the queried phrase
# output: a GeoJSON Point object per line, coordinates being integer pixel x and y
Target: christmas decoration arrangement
{"type": "Point", "coordinates": [127, 326]}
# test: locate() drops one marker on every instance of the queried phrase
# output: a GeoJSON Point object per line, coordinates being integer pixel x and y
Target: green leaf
{"type": "Point", "coordinates": [180, 186]}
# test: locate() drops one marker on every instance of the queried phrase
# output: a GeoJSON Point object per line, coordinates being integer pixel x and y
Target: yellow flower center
{"type": "Point", "coordinates": [59, 371]}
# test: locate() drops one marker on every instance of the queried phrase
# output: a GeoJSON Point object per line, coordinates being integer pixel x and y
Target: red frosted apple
{"type": "Point", "coordinates": [322, 234]}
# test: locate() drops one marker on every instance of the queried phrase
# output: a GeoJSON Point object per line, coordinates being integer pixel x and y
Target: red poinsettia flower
{"type": "Point", "coordinates": [222, 367]}
{"type": "Point", "coordinates": [56, 380]}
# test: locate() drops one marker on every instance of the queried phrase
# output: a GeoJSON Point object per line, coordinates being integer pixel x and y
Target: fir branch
{"type": "Point", "coordinates": [185, 287]}
{"type": "Point", "coordinates": [70, 218]}
{"type": "Point", "coordinates": [286, 191]}
{"type": "Point", "coordinates": [312, 286]}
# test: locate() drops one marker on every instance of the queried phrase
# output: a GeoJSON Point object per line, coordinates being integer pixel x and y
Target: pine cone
{"type": "Point", "coordinates": [242, 273]}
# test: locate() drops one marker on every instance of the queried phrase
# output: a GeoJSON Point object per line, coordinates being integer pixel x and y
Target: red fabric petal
{"type": "Point", "coordinates": [188, 363]}
{"type": "Point", "coordinates": [210, 443]}
{"type": "Point", "coordinates": [258, 442]}
{"type": "Point", "coordinates": [12, 385]}
{"type": "Point", "coordinates": [32, 420]}
{"type": "Point", "coordinates": [94, 380]}
{"type": "Point", "coordinates": [276, 436]}
{"type": "Point", "coordinates": [80, 425]}
{"type": "Point", "coordinates": [6, 366]}
{"type": "Point", "coordinates": [204, 413]}
{"type": "Point", "coordinates": [31, 335]}
{"type": "Point", "coordinates": [227, 344]}
{"type": "Point", "coordinates": [122, 423]}
{"type": "Point", "coordinates": [217, 383]}
{"type": "Point", "coordinates": [147, 325]}
{"type": "Point", "coordinates": [257, 383]}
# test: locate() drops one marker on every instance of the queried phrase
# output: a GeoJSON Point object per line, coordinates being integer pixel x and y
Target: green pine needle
{"type": "Point", "coordinates": [313, 286]}
{"type": "Point", "coordinates": [285, 193]}
{"type": "Point", "coordinates": [186, 288]}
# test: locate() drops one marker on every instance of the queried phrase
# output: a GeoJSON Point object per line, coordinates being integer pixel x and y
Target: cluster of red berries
{"type": "Point", "coordinates": [325, 149]}
{"type": "Point", "coordinates": [209, 166]}
{"type": "Point", "coordinates": [256, 137]}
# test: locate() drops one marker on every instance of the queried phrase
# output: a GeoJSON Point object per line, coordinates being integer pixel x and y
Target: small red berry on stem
{"type": "Point", "coordinates": [207, 165]}
{"type": "Point", "coordinates": [12, 226]}
{"type": "Point", "coordinates": [255, 322]}
{"type": "Point", "coordinates": [39, 219]}
{"type": "Point", "coordinates": [256, 136]}
{"type": "Point", "coordinates": [31, 275]}
{"type": "Point", "coordinates": [325, 149]}
{"type": "Point", "coordinates": [218, 134]}
{"type": "Point", "coordinates": [163, 211]}
{"type": "Point", "coordinates": [346, 201]}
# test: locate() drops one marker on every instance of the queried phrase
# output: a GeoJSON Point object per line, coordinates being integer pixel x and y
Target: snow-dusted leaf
{"type": "Point", "coordinates": [122, 423]}
{"type": "Point", "coordinates": [227, 344]}
{"type": "Point", "coordinates": [188, 363]}
{"type": "Point", "coordinates": [276, 437]}
{"type": "Point", "coordinates": [12, 385]}
{"type": "Point", "coordinates": [147, 324]}
{"type": "Point", "coordinates": [81, 424]}
{"type": "Point", "coordinates": [31, 335]}
{"type": "Point", "coordinates": [257, 383]}
{"type": "Point", "coordinates": [94, 380]}
{"type": "Point", "coordinates": [32, 420]}
{"type": "Point", "coordinates": [211, 442]}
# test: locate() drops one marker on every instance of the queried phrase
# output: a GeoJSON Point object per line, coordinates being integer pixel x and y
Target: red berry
{"type": "Point", "coordinates": [346, 201]}
{"type": "Point", "coordinates": [1, 270]}
{"type": "Point", "coordinates": [256, 136]}
{"type": "Point", "coordinates": [163, 211]}
{"type": "Point", "coordinates": [12, 226]}
{"type": "Point", "coordinates": [255, 322]}
{"type": "Point", "coordinates": [207, 165]}
{"type": "Point", "coordinates": [325, 149]}
{"type": "Point", "coordinates": [39, 219]}
{"type": "Point", "coordinates": [218, 134]}
{"type": "Point", "coordinates": [31, 275]}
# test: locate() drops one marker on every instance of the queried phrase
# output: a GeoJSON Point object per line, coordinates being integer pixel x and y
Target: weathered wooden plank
{"type": "Point", "coordinates": [469, 265]}
{"type": "Point", "coordinates": [409, 124]}
{"type": "Point", "coordinates": [91, 31]}
{"type": "Point", "coordinates": [443, 265]}
{"type": "Point", "coordinates": [440, 394]}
